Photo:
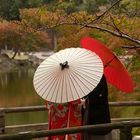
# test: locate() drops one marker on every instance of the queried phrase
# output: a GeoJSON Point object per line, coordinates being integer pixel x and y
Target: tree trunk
{"type": "Point", "coordinates": [84, 1]}
{"type": "Point", "coordinates": [15, 53]}
{"type": "Point", "coordinates": [54, 39]}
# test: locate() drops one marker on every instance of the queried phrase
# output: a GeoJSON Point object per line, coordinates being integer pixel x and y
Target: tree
{"type": "Point", "coordinates": [108, 21]}
{"type": "Point", "coordinates": [20, 38]}
{"type": "Point", "coordinates": [113, 22]}
{"type": "Point", "coordinates": [9, 9]}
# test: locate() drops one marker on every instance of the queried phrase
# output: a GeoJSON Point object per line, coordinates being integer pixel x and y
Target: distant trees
{"type": "Point", "coordinates": [18, 38]}
{"type": "Point", "coordinates": [110, 20]}
{"type": "Point", "coordinates": [69, 20]}
{"type": "Point", "coordinates": [9, 9]}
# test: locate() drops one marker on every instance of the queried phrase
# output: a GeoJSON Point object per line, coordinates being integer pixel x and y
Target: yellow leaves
{"type": "Point", "coordinates": [80, 17]}
{"type": "Point", "coordinates": [36, 17]}
{"type": "Point", "coordinates": [122, 23]}
{"type": "Point", "coordinates": [43, 17]}
{"type": "Point", "coordinates": [72, 40]}
{"type": "Point", "coordinates": [51, 19]}
{"type": "Point", "coordinates": [130, 5]}
{"type": "Point", "coordinates": [30, 16]}
{"type": "Point", "coordinates": [26, 14]}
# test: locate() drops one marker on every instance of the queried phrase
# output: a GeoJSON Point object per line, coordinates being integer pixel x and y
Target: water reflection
{"type": "Point", "coordinates": [16, 89]}
{"type": "Point", "coordinates": [3, 80]}
{"type": "Point", "coordinates": [26, 118]}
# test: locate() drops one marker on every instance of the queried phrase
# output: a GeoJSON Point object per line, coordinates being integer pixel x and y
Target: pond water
{"type": "Point", "coordinates": [16, 89]}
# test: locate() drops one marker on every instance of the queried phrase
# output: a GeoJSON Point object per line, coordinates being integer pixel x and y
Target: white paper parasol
{"type": "Point", "coordinates": [68, 75]}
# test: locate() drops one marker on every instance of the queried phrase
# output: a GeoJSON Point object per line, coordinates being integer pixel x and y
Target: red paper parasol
{"type": "Point", "coordinates": [114, 70]}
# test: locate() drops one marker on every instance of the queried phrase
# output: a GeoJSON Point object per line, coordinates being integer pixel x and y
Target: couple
{"type": "Point", "coordinates": [92, 109]}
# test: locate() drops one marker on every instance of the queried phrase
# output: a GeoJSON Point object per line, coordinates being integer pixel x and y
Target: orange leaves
{"type": "Point", "coordinates": [81, 17]}
{"type": "Point", "coordinates": [41, 17]}
{"type": "Point", "coordinates": [7, 26]}
{"type": "Point", "coordinates": [19, 36]}
{"type": "Point", "coordinates": [8, 32]}
{"type": "Point", "coordinates": [72, 39]}
{"type": "Point", "coordinates": [30, 16]}
{"type": "Point", "coordinates": [52, 18]}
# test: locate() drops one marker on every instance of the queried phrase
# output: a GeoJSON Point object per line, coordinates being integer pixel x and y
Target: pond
{"type": "Point", "coordinates": [16, 90]}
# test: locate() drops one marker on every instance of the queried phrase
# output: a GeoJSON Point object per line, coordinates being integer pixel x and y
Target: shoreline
{"type": "Point", "coordinates": [7, 64]}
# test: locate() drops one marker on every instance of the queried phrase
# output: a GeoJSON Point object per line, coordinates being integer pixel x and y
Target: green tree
{"type": "Point", "coordinates": [9, 9]}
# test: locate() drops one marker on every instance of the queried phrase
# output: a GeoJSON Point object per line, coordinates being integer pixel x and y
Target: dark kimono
{"type": "Point", "coordinates": [97, 108]}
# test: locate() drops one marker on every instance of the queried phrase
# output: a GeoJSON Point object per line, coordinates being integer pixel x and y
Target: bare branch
{"type": "Point", "coordinates": [130, 47]}
{"type": "Point", "coordinates": [115, 26]}
{"type": "Point", "coordinates": [103, 14]}
{"type": "Point", "coordinates": [115, 33]}
{"type": "Point", "coordinates": [122, 35]}
{"type": "Point", "coordinates": [75, 19]}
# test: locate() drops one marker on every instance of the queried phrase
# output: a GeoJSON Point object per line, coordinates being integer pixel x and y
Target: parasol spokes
{"type": "Point", "coordinates": [108, 63]}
